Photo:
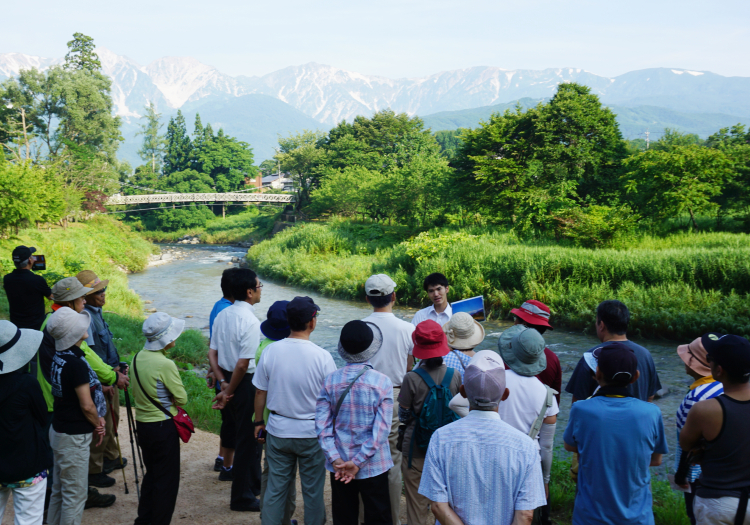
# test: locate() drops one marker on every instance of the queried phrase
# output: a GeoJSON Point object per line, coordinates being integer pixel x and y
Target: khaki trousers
{"type": "Point", "coordinates": [70, 483]}
{"type": "Point", "coordinates": [394, 475]}
{"type": "Point", "coordinates": [417, 506]}
{"type": "Point", "coordinates": [108, 448]}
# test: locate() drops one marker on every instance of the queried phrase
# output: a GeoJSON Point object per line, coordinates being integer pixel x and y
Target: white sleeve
{"type": "Point", "coordinates": [554, 409]}
{"type": "Point", "coordinates": [460, 405]}
{"type": "Point", "coordinates": [260, 377]}
{"type": "Point", "coordinates": [250, 341]}
{"type": "Point", "coordinates": [546, 440]}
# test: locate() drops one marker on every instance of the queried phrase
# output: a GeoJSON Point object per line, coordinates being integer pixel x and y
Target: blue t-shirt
{"type": "Point", "coordinates": [582, 384]}
{"type": "Point", "coordinates": [615, 437]}
{"type": "Point", "coordinates": [218, 307]}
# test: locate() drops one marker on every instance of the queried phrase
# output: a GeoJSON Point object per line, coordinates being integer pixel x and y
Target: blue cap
{"type": "Point", "coordinates": [276, 327]}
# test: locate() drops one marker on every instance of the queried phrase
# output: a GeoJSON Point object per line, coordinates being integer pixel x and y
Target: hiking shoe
{"type": "Point", "coordinates": [114, 464]}
{"type": "Point", "coordinates": [99, 500]}
{"type": "Point", "coordinates": [250, 505]}
{"type": "Point", "coordinates": [218, 464]}
{"type": "Point", "coordinates": [100, 480]}
{"type": "Point", "coordinates": [226, 474]}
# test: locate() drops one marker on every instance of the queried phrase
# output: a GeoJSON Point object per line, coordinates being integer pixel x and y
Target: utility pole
{"type": "Point", "coordinates": [153, 163]}
{"type": "Point", "coordinates": [647, 140]}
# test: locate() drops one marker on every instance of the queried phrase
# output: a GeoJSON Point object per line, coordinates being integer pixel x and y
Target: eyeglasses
{"type": "Point", "coordinates": [100, 292]}
{"type": "Point", "coordinates": [259, 285]}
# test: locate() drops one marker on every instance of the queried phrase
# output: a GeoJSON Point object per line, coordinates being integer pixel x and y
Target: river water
{"type": "Point", "coordinates": [189, 287]}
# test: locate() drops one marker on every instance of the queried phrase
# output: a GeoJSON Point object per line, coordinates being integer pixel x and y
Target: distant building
{"type": "Point", "coordinates": [276, 182]}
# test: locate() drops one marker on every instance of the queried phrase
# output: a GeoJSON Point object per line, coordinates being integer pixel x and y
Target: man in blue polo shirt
{"type": "Point", "coordinates": [618, 438]}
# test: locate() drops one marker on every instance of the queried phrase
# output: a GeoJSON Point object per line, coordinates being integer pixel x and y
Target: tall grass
{"type": "Point", "coordinates": [677, 287]}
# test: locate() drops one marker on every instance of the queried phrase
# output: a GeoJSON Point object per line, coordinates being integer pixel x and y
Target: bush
{"type": "Point", "coordinates": [595, 226]}
{"type": "Point", "coordinates": [168, 219]}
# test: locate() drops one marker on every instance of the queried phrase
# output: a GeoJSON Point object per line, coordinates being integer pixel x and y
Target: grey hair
{"type": "Point", "coordinates": [475, 406]}
{"type": "Point", "coordinates": [22, 264]}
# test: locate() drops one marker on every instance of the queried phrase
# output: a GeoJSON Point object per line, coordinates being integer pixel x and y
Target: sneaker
{"type": "Point", "coordinates": [226, 474]}
{"type": "Point", "coordinates": [114, 464]}
{"type": "Point", "coordinates": [218, 464]}
{"type": "Point", "coordinates": [252, 505]}
{"type": "Point", "coordinates": [100, 480]}
{"type": "Point", "coordinates": [99, 500]}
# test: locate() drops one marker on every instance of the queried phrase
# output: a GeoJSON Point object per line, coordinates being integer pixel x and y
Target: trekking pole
{"type": "Point", "coordinates": [117, 440]}
{"type": "Point", "coordinates": [137, 441]}
{"type": "Point", "coordinates": [132, 443]}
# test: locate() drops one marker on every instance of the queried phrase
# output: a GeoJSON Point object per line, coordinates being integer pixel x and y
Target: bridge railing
{"type": "Point", "coordinates": [198, 197]}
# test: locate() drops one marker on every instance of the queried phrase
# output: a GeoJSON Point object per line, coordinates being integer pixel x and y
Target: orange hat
{"type": "Point", "coordinates": [694, 356]}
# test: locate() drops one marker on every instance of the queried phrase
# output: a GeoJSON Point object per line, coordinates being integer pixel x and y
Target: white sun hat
{"type": "Point", "coordinates": [67, 327]}
{"type": "Point", "coordinates": [17, 346]}
{"type": "Point", "coordinates": [161, 329]}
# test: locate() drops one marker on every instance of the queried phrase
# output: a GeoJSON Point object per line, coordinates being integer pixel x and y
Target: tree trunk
{"type": "Point", "coordinates": [692, 217]}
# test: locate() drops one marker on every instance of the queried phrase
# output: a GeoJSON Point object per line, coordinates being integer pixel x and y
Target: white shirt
{"type": "Point", "coordinates": [397, 345]}
{"type": "Point", "coordinates": [430, 313]}
{"type": "Point", "coordinates": [292, 371]}
{"type": "Point", "coordinates": [527, 396]}
{"type": "Point", "coordinates": [236, 335]}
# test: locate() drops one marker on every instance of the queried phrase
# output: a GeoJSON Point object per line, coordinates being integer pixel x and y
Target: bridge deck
{"type": "Point", "coordinates": [198, 197]}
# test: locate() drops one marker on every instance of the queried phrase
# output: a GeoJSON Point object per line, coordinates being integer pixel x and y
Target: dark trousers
{"type": "Point", "coordinates": [160, 445]}
{"type": "Point", "coordinates": [247, 450]}
{"type": "Point", "coordinates": [228, 432]}
{"type": "Point", "coordinates": [689, 496]}
{"type": "Point", "coordinates": [376, 500]}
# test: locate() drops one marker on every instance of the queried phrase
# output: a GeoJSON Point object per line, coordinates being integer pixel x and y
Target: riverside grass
{"type": "Point", "coordinates": [677, 287]}
{"type": "Point", "coordinates": [111, 249]}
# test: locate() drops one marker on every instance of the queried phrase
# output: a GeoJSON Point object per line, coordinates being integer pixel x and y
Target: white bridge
{"type": "Point", "coordinates": [118, 199]}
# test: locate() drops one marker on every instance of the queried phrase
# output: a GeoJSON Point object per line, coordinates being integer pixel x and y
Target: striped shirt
{"type": "Point", "coordinates": [363, 422]}
{"type": "Point", "coordinates": [457, 360]}
{"type": "Point", "coordinates": [701, 390]}
{"type": "Point", "coordinates": [484, 469]}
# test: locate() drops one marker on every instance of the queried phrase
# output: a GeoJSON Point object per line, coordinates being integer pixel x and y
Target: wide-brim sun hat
{"type": "Point", "coordinates": [429, 340]}
{"type": "Point", "coordinates": [69, 289]}
{"type": "Point", "coordinates": [18, 346]}
{"type": "Point", "coordinates": [276, 326]}
{"type": "Point", "coordinates": [463, 332]}
{"type": "Point", "coordinates": [525, 354]}
{"type": "Point", "coordinates": [160, 329]}
{"type": "Point", "coordinates": [534, 312]}
{"type": "Point", "coordinates": [90, 280]}
{"type": "Point", "coordinates": [503, 342]}
{"type": "Point", "coordinates": [67, 327]}
{"type": "Point", "coordinates": [590, 360]}
{"type": "Point", "coordinates": [357, 344]}
{"type": "Point", "coordinates": [695, 357]}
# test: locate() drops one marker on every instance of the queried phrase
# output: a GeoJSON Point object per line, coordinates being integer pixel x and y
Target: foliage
{"type": "Point", "coordinates": [298, 155]}
{"type": "Point", "coordinates": [178, 149]}
{"type": "Point", "coordinates": [28, 195]}
{"type": "Point", "coordinates": [596, 226]}
{"type": "Point", "coordinates": [450, 141]}
{"type": "Point", "coordinates": [173, 219]}
{"type": "Point", "coordinates": [153, 145]}
{"type": "Point", "coordinates": [429, 244]}
{"type": "Point", "coordinates": [669, 182]}
{"type": "Point", "coordinates": [81, 55]}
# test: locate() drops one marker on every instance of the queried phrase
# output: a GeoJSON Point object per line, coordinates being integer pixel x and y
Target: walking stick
{"type": "Point", "coordinates": [117, 440]}
{"type": "Point", "coordinates": [132, 444]}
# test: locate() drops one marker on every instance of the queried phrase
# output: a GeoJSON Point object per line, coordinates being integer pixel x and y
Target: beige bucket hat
{"type": "Point", "coordinates": [463, 332]}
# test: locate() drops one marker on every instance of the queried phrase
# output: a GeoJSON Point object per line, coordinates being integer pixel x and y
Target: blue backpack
{"type": "Point", "coordinates": [435, 412]}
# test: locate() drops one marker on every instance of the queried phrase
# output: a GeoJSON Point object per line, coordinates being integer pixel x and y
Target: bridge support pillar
{"type": "Point", "coordinates": [223, 211]}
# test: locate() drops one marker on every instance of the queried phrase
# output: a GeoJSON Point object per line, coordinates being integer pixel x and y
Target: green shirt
{"type": "Point", "coordinates": [161, 380]}
{"type": "Point", "coordinates": [262, 346]}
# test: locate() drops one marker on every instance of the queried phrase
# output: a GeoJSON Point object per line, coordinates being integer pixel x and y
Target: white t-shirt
{"type": "Point", "coordinates": [430, 313]}
{"type": "Point", "coordinates": [292, 371]}
{"type": "Point", "coordinates": [236, 335]}
{"type": "Point", "coordinates": [397, 345]}
{"type": "Point", "coordinates": [527, 396]}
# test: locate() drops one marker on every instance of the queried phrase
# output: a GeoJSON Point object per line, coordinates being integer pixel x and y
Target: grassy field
{"type": "Point", "coordinates": [679, 286]}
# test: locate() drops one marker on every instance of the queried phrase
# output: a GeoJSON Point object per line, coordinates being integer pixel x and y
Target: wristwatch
{"type": "Point", "coordinates": [259, 423]}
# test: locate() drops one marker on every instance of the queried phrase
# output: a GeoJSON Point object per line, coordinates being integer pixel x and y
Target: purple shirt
{"type": "Point", "coordinates": [363, 422]}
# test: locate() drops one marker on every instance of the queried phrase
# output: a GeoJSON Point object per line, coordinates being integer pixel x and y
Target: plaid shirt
{"type": "Point", "coordinates": [363, 422]}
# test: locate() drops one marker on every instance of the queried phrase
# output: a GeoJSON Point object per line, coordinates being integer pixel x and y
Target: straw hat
{"type": "Point", "coordinates": [160, 329]}
{"type": "Point", "coordinates": [67, 327]}
{"type": "Point", "coordinates": [90, 280]}
{"type": "Point", "coordinates": [17, 346]}
{"type": "Point", "coordinates": [463, 332]}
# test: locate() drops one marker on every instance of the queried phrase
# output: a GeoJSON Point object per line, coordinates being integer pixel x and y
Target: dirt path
{"type": "Point", "coordinates": [202, 499]}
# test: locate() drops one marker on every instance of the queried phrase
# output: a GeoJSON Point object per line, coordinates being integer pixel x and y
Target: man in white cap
{"type": "Point", "coordinates": [480, 469]}
{"type": "Point", "coordinates": [394, 359]}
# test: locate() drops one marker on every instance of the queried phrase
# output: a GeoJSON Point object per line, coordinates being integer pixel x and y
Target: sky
{"type": "Point", "coordinates": [397, 38]}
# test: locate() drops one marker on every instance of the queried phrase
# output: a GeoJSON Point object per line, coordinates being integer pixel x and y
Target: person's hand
{"type": "Point", "coordinates": [224, 385]}
{"type": "Point", "coordinates": [108, 391]}
{"type": "Point", "coordinates": [221, 400]}
{"type": "Point", "coordinates": [546, 491]}
{"type": "Point", "coordinates": [100, 431]}
{"type": "Point", "coordinates": [122, 381]}
{"type": "Point", "coordinates": [345, 471]}
{"type": "Point", "coordinates": [211, 379]}
{"type": "Point", "coordinates": [257, 431]}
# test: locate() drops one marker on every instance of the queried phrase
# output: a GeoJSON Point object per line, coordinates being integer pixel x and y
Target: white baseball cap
{"type": "Point", "coordinates": [484, 379]}
{"type": "Point", "coordinates": [379, 285]}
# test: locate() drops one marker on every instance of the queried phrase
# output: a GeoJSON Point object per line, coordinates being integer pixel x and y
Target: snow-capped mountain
{"type": "Point", "coordinates": [330, 94]}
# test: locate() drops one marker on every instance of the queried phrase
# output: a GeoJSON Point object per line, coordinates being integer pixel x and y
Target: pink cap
{"type": "Point", "coordinates": [484, 379]}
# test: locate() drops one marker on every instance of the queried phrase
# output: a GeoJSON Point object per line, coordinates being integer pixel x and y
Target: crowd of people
{"type": "Point", "coordinates": [467, 436]}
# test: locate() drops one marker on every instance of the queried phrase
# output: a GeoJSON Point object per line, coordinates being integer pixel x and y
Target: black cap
{"type": "Point", "coordinates": [728, 351]}
{"type": "Point", "coordinates": [302, 309]}
{"type": "Point", "coordinates": [356, 337]}
{"type": "Point", "coordinates": [617, 361]}
{"type": "Point", "coordinates": [22, 253]}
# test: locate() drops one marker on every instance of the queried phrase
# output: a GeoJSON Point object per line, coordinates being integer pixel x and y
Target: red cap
{"type": "Point", "coordinates": [429, 340]}
{"type": "Point", "coordinates": [534, 312]}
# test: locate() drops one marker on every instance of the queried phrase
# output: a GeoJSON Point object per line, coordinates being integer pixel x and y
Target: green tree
{"type": "Point", "coordinates": [227, 161]}
{"type": "Point", "coordinates": [29, 194]}
{"type": "Point", "coordinates": [685, 179]}
{"type": "Point", "coordinates": [299, 156]}
{"type": "Point", "coordinates": [152, 148]}
{"type": "Point", "coordinates": [81, 55]}
{"type": "Point", "coordinates": [673, 139]}
{"type": "Point", "coordinates": [179, 148]}
{"type": "Point", "coordinates": [449, 140]}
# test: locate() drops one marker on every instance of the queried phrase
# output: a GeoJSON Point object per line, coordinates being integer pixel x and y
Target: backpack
{"type": "Point", "coordinates": [435, 412]}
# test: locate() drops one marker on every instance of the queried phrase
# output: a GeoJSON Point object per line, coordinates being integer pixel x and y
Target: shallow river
{"type": "Point", "coordinates": [188, 289]}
